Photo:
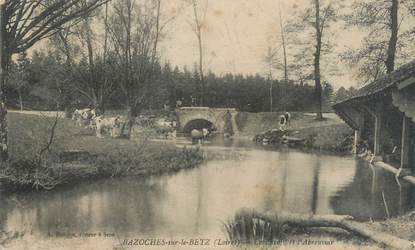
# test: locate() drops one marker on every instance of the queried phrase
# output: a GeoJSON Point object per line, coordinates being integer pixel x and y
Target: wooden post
{"type": "Point", "coordinates": [405, 142]}
{"type": "Point", "coordinates": [358, 133]}
{"type": "Point", "coordinates": [378, 131]}
{"type": "Point", "coordinates": [356, 141]}
{"type": "Point", "coordinates": [3, 109]}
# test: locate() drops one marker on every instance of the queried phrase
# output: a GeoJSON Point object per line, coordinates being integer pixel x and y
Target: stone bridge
{"type": "Point", "coordinates": [213, 118]}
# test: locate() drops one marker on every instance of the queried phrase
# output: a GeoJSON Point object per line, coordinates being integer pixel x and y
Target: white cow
{"type": "Point", "coordinates": [199, 135]}
{"type": "Point", "coordinates": [84, 116]}
{"type": "Point", "coordinates": [165, 127]}
{"type": "Point", "coordinates": [109, 124]}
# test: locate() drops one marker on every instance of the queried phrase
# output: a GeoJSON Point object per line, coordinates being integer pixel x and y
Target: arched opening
{"type": "Point", "coordinates": [198, 124]}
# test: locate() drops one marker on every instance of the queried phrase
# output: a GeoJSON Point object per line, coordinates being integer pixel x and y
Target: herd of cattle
{"type": "Point", "coordinates": [114, 126]}
{"type": "Point", "coordinates": [89, 118]}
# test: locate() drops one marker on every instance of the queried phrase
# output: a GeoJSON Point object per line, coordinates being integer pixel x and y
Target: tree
{"type": "Point", "coordinates": [314, 23]}
{"type": "Point", "coordinates": [92, 75]}
{"type": "Point", "coordinates": [274, 61]}
{"type": "Point", "coordinates": [18, 77]}
{"type": "Point", "coordinates": [383, 22]}
{"type": "Point", "coordinates": [135, 32]}
{"type": "Point", "coordinates": [271, 61]}
{"type": "Point", "coordinates": [197, 28]}
{"type": "Point", "coordinates": [23, 24]}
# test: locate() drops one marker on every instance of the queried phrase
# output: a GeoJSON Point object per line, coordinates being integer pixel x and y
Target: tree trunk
{"type": "Point", "coordinates": [270, 96]}
{"type": "Point", "coordinates": [390, 61]}
{"type": "Point", "coordinates": [284, 50]}
{"type": "Point", "coordinates": [202, 77]}
{"type": "Point", "coordinates": [317, 55]}
{"type": "Point", "coordinates": [4, 152]}
{"type": "Point", "coordinates": [131, 115]}
{"type": "Point", "coordinates": [198, 31]}
{"type": "Point", "coordinates": [20, 100]}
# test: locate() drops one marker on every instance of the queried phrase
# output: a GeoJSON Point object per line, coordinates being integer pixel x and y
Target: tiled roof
{"type": "Point", "coordinates": [383, 83]}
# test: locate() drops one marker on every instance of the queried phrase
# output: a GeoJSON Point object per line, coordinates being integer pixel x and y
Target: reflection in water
{"type": "Point", "coordinates": [372, 193]}
{"type": "Point", "coordinates": [196, 202]}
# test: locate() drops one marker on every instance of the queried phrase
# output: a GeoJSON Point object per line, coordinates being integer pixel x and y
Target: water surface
{"type": "Point", "coordinates": [196, 202]}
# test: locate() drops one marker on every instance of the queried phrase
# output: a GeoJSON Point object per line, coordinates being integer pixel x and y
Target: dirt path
{"type": "Point", "coordinates": [39, 113]}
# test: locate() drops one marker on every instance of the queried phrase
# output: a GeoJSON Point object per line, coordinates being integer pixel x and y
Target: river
{"type": "Point", "coordinates": [196, 203]}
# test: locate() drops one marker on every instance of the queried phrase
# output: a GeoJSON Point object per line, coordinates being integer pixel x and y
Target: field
{"type": "Point", "coordinates": [76, 154]}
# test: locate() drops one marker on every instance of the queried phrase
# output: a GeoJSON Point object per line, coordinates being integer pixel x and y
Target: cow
{"type": "Point", "coordinates": [110, 124]}
{"type": "Point", "coordinates": [84, 116]}
{"type": "Point", "coordinates": [199, 135]}
{"type": "Point", "coordinates": [165, 127]}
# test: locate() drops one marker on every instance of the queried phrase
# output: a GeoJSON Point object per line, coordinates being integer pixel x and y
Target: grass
{"type": "Point", "coordinates": [329, 135]}
{"type": "Point", "coordinates": [100, 158]}
{"type": "Point", "coordinates": [401, 226]}
{"type": "Point", "coordinates": [336, 138]}
{"type": "Point", "coordinates": [256, 123]}
{"type": "Point", "coordinates": [251, 228]}
{"type": "Point", "coordinates": [247, 227]}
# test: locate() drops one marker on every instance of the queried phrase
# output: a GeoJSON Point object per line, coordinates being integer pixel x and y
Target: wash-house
{"type": "Point", "coordinates": [382, 114]}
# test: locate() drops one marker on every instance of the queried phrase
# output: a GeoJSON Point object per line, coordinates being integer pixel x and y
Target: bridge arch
{"type": "Point", "coordinates": [199, 124]}
{"type": "Point", "coordinates": [199, 117]}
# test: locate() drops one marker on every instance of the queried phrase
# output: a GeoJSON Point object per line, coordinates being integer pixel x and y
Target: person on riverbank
{"type": "Point", "coordinates": [287, 116]}
{"type": "Point", "coordinates": [283, 122]}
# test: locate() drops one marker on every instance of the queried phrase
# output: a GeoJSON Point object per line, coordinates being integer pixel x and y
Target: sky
{"type": "Point", "coordinates": [237, 34]}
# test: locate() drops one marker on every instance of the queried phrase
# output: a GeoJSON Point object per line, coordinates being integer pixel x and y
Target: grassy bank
{"type": "Point", "coordinates": [255, 123]}
{"type": "Point", "coordinates": [89, 158]}
{"type": "Point", "coordinates": [401, 226]}
{"type": "Point", "coordinates": [329, 135]}
{"type": "Point", "coordinates": [254, 229]}
{"type": "Point", "coordinates": [336, 138]}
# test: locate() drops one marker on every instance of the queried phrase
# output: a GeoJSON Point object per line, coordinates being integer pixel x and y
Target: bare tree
{"type": "Point", "coordinates": [197, 27]}
{"type": "Point", "coordinates": [386, 38]}
{"type": "Point", "coordinates": [314, 24]}
{"type": "Point", "coordinates": [19, 76]}
{"type": "Point", "coordinates": [93, 74]}
{"type": "Point", "coordinates": [23, 24]}
{"type": "Point", "coordinates": [274, 61]}
{"type": "Point", "coordinates": [134, 29]}
{"type": "Point", "coordinates": [284, 47]}
{"type": "Point", "coordinates": [86, 59]}
{"type": "Point", "coordinates": [271, 61]}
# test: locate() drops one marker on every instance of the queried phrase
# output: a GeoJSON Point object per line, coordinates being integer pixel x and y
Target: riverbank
{"type": "Point", "coordinates": [329, 135]}
{"type": "Point", "coordinates": [326, 231]}
{"type": "Point", "coordinates": [75, 154]}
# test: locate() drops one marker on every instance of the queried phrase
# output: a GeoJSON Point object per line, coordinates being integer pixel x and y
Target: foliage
{"type": "Point", "coordinates": [388, 39]}
{"type": "Point", "coordinates": [19, 78]}
{"type": "Point", "coordinates": [47, 84]}
{"type": "Point", "coordinates": [248, 227]}
{"type": "Point", "coordinates": [343, 94]}
{"type": "Point", "coordinates": [313, 35]}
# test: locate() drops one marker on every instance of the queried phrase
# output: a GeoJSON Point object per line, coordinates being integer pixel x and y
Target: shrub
{"type": "Point", "coordinates": [248, 227]}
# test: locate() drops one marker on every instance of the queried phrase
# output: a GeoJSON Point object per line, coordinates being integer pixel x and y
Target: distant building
{"type": "Point", "coordinates": [382, 114]}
